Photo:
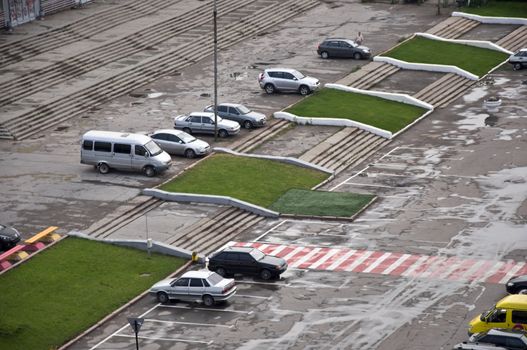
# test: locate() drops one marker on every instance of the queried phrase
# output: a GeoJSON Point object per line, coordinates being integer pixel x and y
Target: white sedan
{"type": "Point", "coordinates": [203, 285]}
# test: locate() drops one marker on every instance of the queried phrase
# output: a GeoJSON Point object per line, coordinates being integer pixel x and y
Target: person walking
{"type": "Point", "coordinates": [359, 39]}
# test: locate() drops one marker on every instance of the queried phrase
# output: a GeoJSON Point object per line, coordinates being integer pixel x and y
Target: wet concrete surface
{"type": "Point", "coordinates": [407, 81]}
{"type": "Point", "coordinates": [490, 32]}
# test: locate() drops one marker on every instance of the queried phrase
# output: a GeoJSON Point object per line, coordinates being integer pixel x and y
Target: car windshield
{"type": "Point", "coordinates": [186, 137]}
{"type": "Point", "coordinates": [256, 254]}
{"type": "Point", "coordinates": [298, 75]}
{"type": "Point", "coordinates": [153, 148]}
{"type": "Point", "coordinates": [243, 109]}
{"type": "Point", "coordinates": [214, 279]}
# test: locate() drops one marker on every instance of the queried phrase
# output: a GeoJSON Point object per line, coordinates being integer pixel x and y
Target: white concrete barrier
{"type": "Point", "coordinates": [289, 160]}
{"type": "Point", "coordinates": [332, 122]}
{"type": "Point", "coordinates": [476, 43]}
{"type": "Point", "coordinates": [491, 20]}
{"type": "Point", "coordinates": [440, 68]}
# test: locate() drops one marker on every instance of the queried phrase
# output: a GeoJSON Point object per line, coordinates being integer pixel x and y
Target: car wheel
{"type": "Point", "coordinates": [187, 130]}
{"type": "Point", "coordinates": [208, 300]}
{"type": "Point", "coordinates": [522, 291]}
{"type": "Point", "coordinates": [517, 66]}
{"type": "Point", "coordinates": [162, 297]}
{"type": "Point", "coordinates": [221, 271]}
{"type": "Point", "coordinates": [357, 56]}
{"type": "Point", "coordinates": [269, 88]}
{"type": "Point", "coordinates": [304, 90]}
{"type": "Point", "coordinates": [223, 133]}
{"type": "Point", "coordinates": [324, 55]}
{"type": "Point", "coordinates": [190, 154]}
{"type": "Point", "coordinates": [266, 274]}
{"type": "Point", "coordinates": [149, 171]}
{"type": "Point", "coordinates": [103, 168]}
{"type": "Point", "coordinates": [247, 124]}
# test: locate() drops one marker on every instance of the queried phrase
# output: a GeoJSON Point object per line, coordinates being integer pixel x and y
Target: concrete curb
{"type": "Point", "coordinates": [120, 309]}
{"type": "Point", "coordinates": [213, 199]}
{"type": "Point", "coordinates": [491, 20]}
{"type": "Point", "coordinates": [413, 123]}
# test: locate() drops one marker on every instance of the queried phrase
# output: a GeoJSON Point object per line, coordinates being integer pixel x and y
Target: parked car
{"type": "Point", "coordinates": [495, 339]}
{"type": "Point", "coordinates": [9, 237]}
{"type": "Point", "coordinates": [341, 47]}
{"type": "Point", "coordinates": [180, 143]}
{"type": "Point", "coordinates": [517, 285]}
{"type": "Point", "coordinates": [286, 79]}
{"type": "Point", "coordinates": [510, 312]}
{"type": "Point", "coordinates": [246, 261]}
{"type": "Point", "coordinates": [239, 113]}
{"type": "Point", "coordinates": [203, 122]}
{"type": "Point", "coordinates": [519, 59]}
{"type": "Point", "coordinates": [203, 285]}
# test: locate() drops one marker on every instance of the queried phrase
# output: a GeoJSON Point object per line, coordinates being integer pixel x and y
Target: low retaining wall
{"type": "Point", "coordinates": [157, 247]}
{"type": "Point", "coordinates": [491, 20]}
{"type": "Point", "coordinates": [477, 43]}
{"type": "Point", "coordinates": [205, 198]}
{"type": "Point", "coordinates": [289, 160]}
{"type": "Point", "coordinates": [440, 68]}
{"type": "Point", "coordinates": [332, 122]}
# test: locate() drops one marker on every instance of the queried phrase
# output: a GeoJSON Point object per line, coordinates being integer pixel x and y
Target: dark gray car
{"type": "Point", "coordinates": [239, 113]}
{"type": "Point", "coordinates": [341, 47]}
{"type": "Point", "coordinates": [9, 237]}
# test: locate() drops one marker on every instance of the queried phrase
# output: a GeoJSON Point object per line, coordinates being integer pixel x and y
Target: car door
{"type": "Point", "coordinates": [195, 124]}
{"type": "Point", "coordinates": [235, 115]}
{"type": "Point", "coordinates": [162, 140]}
{"type": "Point", "coordinates": [177, 146]}
{"type": "Point", "coordinates": [223, 111]}
{"type": "Point", "coordinates": [232, 262]}
{"type": "Point", "coordinates": [248, 264]}
{"type": "Point", "coordinates": [334, 49]}
{"type": "Point", "coordinates": [207, 125]}
{"type": "Point", "coordinates": [139, 157]}
{"type": "Point", "coordinates": [278, 80]}
{"type": "Point", "coordinates": [122, 156]}
{"type": "Point", "coordinates": [346, 50]}
{"type": "Point", "coordinates": [196, 289]}
{"type": "Point", "coordinates": [519, 319]}
{"type": "Point", "coordinates": [290, 82]}
{"type": "Point", "coordinates": [179, 289]}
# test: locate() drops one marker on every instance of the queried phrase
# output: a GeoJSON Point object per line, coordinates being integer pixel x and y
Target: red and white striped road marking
{"type": "Point", "coordinates": [395, 264]}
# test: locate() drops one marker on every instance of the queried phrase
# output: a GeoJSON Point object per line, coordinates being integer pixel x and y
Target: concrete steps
{"type": "Point", "coordinates": [444, 90]}
{"type": "Point", "coordinates": [514, 40]}
{"type": "Point", "coordinates": [252, 141]}
{"type": "Point", "coordinates": [369, 75]}
{"type": "Point", "coordinates": [209, 234]}
{"type": "Point", "coordinates": [453, 27]}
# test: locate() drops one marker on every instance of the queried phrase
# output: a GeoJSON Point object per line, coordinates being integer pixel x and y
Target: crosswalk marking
{"type": "Point", "coordinates": [391, 263]}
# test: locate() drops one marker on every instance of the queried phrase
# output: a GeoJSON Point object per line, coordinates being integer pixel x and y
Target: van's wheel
{"type": "Point", "coordinates": [324, 55]}
{"type": "Point", "coordinates": [208, 300]}
{"type": "Point", "coordinates": [221, 271]}
{"type": "Point", "coordinates": [269, 89]}
{"type": "Point", "coordinates": [162, 297]}
{"type": "Point", "coordinates": [517, 66]}
{"type": "Point", "coordinates": [149, 171]}
{"type": "Point", "coordinates": [304, 90]}
{"type": "Point", "coordinates": [265, 274]}
{"type": "Point", "coordinates": [187, 130]}
{"type": "Point", "coordinates": [190, 154]}
{"type": "Point", "coordinates": [223, 133]}
{"type": "Point", "coordinates": [247, 124]}
{"type": "Point", "coordinates": [103, 168]}
{"type": "Point", "coordinates": [357, 56]}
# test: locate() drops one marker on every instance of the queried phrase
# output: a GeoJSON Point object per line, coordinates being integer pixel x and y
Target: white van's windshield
{"type": "Point", "coordinates": [153, 148]}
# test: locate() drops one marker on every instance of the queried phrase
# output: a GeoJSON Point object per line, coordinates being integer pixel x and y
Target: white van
{"type": "Point", "coordinates": [123, 151]}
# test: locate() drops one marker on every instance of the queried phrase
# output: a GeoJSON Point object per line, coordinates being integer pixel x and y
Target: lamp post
{"type": "Point", "coordinates": [215, 73]}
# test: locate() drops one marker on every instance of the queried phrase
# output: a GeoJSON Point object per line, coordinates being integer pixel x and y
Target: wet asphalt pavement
{"type": "Point", "coordinates": [452, 186]}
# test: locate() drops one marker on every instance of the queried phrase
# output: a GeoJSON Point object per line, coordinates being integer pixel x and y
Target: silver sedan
{"type": "Point", "coordinates": [180, 143]}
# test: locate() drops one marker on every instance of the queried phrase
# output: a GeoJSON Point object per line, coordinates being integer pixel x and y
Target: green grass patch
{"type": "Point", "coordinates": [499, 9]}
{"type": "Point", "coordinates": [321, 203]}
{"type": "Point", "coordinates": [370, 110]}
{"type": "Point", "coordinates": [472, 59]}
{"type": "Point", "coordinates": [67, 288]}
{"type": "Point", "coordinates": [257, 181]}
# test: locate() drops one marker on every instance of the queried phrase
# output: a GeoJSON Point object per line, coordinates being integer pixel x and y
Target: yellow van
{"type": "Point", "coordinates": [510, 312]}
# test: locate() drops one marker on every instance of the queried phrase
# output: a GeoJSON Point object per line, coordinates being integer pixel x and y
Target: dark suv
{"type": "Point", "coordinates": [517, 285]}
{"type": "Point", "coordinates": [9, 237]}
{"type": "Point", "coordinates": [496, 339]}
{"type": "Point", "coordinates": [340, 47]}
{"type": "Point", "coordinates": [246, 261]}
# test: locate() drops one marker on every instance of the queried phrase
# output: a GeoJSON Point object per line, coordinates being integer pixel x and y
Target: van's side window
{"type": "Point", "coordinates": [519, 317]}
{"type": "Point", "coordinates": [103, 146]}
{"type": "Point", "coordinates": [87, 145]}
{"type": "Point", "coordinates": [121, 148]}
{"type": "Point", "coordinates": [140, 151]}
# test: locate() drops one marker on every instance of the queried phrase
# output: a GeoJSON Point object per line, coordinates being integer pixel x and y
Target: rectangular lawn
{"type": "Point", "coordinates": [370, 110]}
{"type": "Point", "coordinates": [257, 181]}
{"type": "Point", "coordinates": [499, 9]}
{"type": "Point", "coordinates": [472, 59]}
{"type": "Point", "coordinates": [67, 288]}
{"type": "Point", "coordinates": [321, 203]}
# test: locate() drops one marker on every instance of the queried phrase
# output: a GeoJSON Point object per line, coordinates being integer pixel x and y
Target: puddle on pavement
{"type": "Point", "coordinates": [239, 75]}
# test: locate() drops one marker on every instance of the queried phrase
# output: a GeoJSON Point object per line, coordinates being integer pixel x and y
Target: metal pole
{"type": "Point", "coordinates": [215, 75]}
{"type": "Point", "coordinates": [136, 340]}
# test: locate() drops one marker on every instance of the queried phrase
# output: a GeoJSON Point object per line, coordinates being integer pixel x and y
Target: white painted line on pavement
{"type": "Point", "coordinates": [396, 264]}
{"type": "Point", "coordinates": [341, 259]}
{"type": "Point", "coordinates": [359, 261]}
{"type": "Point", "coordinates": [415, 265]}
{"type": "Point", "coordinates": [205, 309]}
{"type": "Point", "coordinates": [293, 253]}
{"type": "Point", "coordinates": [305, 257]}
{"type": "Point", "coordinates": [377, 262]}
{"type": "Point", "coordinates": [512, 272]}
{"type": "Point", "coordinates": [265, 283]}
{"type": "Point", "coordinates": [189, 323]}
{"type": "Point", "coordinates": [490, 272]}
{"type": "Point", "coordinates": [270, 230]}
{"type": "Point", "coordinates": [167, 339]}
{"type": "Point", "coordinates": [324, 258]}
{"type": "Point", "coordinates": [278, 249]}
